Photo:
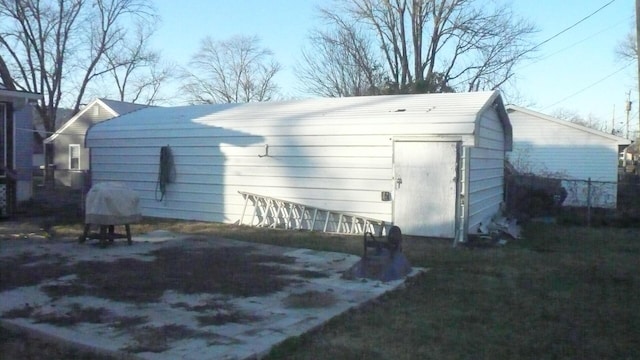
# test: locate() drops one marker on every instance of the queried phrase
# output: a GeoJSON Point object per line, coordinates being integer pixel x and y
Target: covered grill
{"type": "Point", "coordinates": [109, 204]}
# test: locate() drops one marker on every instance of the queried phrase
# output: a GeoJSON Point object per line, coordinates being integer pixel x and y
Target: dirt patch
{"type": "Point", "coordinates": [310, 299]}
{"type": "Point", "coordinates": [127, 322]}
{"type": "Point", "coordinates": [157, 339]}
{"type": "Point", "coordinates": [217, 312]}
{"type": "Point", "coordinates": [236, 271]}
{"type": "Point", "coordinates": [15, 345]}
{"type": "Point", "coordinates": [310, 274]}
{"type": "Point", "coordinates": [27, 269]}
{"type": "Point", "coordinates": [226, 316]}
{"type": "Point", "coordinates": [75, 314]}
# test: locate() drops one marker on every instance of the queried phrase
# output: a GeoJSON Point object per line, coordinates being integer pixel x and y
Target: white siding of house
{"type": "Point", "coordinates": [329, 153]}
{"type": "Point", "coordinates": [567, 151]}
{"type": "Point", "coordinates": [486, 170]}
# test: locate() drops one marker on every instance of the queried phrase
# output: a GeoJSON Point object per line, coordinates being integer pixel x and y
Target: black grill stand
{"type": "Point", "coordinates": [393, 243]}
{"type": "Point", "coordinates": [382, 260]}
{"type": "Point", "coordinates": [107, 234]}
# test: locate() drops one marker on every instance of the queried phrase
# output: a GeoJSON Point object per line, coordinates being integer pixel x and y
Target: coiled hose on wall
{"type": "Point", "coordinates": [166, 172]}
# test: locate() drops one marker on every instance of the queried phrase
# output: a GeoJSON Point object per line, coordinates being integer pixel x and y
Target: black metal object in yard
{"type": "Point", "coordinates": [106, 234]}
{"type": "Point", "coordinates": [382, 260]}
{"type": "Point", "coordinates": [393, 243]}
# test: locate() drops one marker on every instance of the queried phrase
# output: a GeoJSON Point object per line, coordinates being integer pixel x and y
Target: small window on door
{"type": "Point", "coordinates": [74, 157]}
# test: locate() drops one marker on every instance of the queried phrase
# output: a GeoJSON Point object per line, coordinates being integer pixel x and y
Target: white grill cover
{"type": "Point", "coordinates": [112, 203]}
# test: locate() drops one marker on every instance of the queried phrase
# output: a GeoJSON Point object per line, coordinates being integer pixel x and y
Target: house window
{"type": "Point", "coordinates": [74, 157]}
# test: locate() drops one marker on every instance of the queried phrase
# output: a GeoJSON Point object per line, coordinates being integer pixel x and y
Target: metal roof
{"type": "Point", "coordinates": [450, 107]}
{"type": "Point", "coordinates": [122, 107]}
{"type": "Point", "coordinates": [619, 140]}
{"type": "Point", "coordinates": [463, 109]}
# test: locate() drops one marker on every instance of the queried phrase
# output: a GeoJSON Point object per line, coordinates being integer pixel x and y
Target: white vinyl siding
{"type": "Point", "coordinates": [559, 149]}
{"type": "Point", "coordinates": [486, 170]}
{"type": "Point", "coordinates": [209, 177]}
{"type": "Point", "coordinates": [329, 153]}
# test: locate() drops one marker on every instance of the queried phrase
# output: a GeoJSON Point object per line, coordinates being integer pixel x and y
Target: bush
{"type": "Point", "coordinates": [531, 196]}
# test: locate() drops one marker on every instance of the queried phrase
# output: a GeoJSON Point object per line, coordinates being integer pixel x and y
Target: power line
{"type": "Point", "coordinates": [620, 119]}
{"type": "Point", "coordinates": [571, 27]}
{"type": "Point", "coordinates": [590, 85]}
{"type": "Point", "coordinates": [38, 131]}
{"type": "Point", "coordinates": [555, 35]}
{"type": "Point", "coordinates": [616, 24]}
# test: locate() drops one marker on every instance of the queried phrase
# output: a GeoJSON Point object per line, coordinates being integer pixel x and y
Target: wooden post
{"type": "Point", "coordinates": [638, 58]}
{"type": "Point", "coordinates": [589, 202]}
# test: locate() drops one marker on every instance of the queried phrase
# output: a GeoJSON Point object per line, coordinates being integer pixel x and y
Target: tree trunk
{"type": "Point", "coordinates": [5, 76]}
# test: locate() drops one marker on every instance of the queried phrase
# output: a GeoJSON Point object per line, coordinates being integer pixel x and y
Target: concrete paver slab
{"type": "Point", "coordinates": [186, 326]}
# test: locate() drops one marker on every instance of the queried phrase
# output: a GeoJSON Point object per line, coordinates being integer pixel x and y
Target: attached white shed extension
{"type": "Point", "coordinates": [548, 146]}
{"type": "Point", "coordinates": [432, 164]}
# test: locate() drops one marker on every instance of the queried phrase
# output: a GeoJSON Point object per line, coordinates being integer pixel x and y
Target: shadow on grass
{"type": "Point", "coordinates": [560, 292]}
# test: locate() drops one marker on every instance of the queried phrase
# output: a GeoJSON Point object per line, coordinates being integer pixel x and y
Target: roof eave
{"type": "Point", "coordinates": [77, 116]}
{"type": "Point", "coordinates": [20, 98]}
{"type": "Point", "coordinates": [495, 102]}
{"type": "Point", "coordinates": [619, 140]}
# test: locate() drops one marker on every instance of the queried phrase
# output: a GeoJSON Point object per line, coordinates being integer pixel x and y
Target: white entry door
{"type": "Point", "coordinates": [425, 187]}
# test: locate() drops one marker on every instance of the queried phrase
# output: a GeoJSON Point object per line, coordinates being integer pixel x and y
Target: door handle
{"type": "Point", "coordinates": [398, 182]}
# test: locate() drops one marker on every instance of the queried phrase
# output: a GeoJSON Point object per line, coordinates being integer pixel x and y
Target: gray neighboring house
{"type": "Point", "coordinates": [62, 116]}
{"type": "Point", "coordinates": [70, 157]}
{"type": "Point", "coordinates": [16, 124]}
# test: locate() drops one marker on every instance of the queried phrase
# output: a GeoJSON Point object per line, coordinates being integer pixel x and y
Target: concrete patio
{"type": "Point", "coordinates": [301, 290]}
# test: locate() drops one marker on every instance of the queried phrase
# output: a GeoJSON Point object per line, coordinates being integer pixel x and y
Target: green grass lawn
{"type": "Point", "coordinates": [559, 293]}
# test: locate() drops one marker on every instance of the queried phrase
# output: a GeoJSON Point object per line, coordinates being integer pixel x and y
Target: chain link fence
{"type": "Point", "coordinates": [574, 201]}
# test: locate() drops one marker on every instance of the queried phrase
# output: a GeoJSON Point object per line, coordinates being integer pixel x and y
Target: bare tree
{"type": "Point", "coordinates": [626, 49]}
{"type": "Point", "coordinates": [340, 62]}
{"type": "Point", "coordinates": [5, 75]}
{"type": "Point", "coordinates": [438, 45]}
{"type": "Point", "coordinates": [136, 70]}
{"type": "Point", "coordinates": [58, 47]}
{"type": "Point", "coordinates": [590, 121]}
{"type": "Point", "coordinates": [231, 71]}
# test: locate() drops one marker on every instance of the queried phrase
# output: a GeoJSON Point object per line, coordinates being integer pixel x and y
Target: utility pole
{"type": "Point", "coordinates": [628, 109]}
{"type": "Point", "coordinates": [613, 121]}
{"type": "Point", "coordinates": [638, 59]}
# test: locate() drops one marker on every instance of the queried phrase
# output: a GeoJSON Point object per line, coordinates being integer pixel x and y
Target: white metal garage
{"type": "Point", "coordinates": [431, 163]}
